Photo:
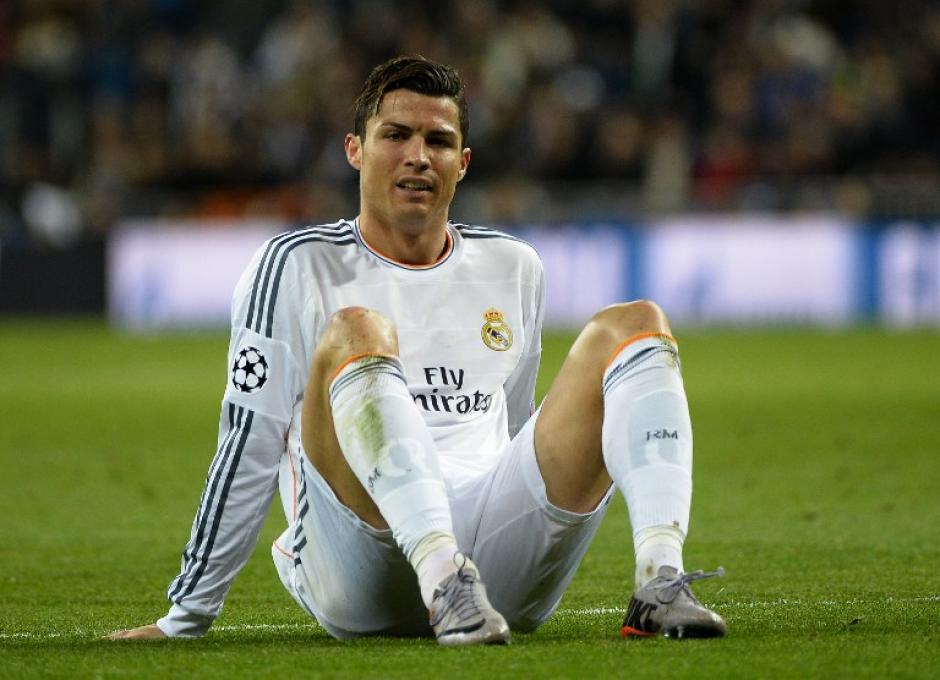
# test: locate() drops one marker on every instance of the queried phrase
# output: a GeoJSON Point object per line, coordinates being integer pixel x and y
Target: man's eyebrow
{"type": "Point", "coordinates": [439, 131]}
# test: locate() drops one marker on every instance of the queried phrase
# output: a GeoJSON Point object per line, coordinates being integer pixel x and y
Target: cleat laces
{"type": "Point", "coordinates": [668, 591]}
{"type": "Point", "coordinates": [458, 597]}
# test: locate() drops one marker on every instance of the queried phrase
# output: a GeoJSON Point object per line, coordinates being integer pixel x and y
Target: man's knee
{"type": "Point", "coordinates": [619, 322]}
{"type": "Point", "coordinates": [356, 330]}
{"type": "Point", "coordinates": [632, 318]}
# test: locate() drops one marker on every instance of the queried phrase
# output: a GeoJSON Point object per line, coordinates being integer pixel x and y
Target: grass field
{"type": "Point", "coordinates": [817, 487]}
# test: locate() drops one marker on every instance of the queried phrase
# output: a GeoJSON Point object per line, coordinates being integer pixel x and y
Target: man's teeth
{"type": "Point", "coordinates": [417, 186]}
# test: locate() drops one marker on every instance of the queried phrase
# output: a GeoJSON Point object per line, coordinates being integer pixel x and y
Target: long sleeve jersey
{"type": "Point", "coordinates": [469, 331]}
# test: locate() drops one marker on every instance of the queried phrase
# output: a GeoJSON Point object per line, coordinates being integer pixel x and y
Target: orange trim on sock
{"type": "Point", "coordinates": [282, 551]}
{"type": "Point", "coordinates": [357, 357]}
{"type": "Point", "coordinates": [629, 631]}
{"type": "Point", "coordinates": [635, 338]}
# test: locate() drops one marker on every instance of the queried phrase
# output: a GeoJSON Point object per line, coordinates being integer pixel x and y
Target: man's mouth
{"type": "Point", "coordinates": [414, 185]}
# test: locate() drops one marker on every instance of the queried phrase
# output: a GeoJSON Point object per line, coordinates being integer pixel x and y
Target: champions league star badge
{"type": "Point", "coordinates": [250, 370]}
{"type": "Point", "coordinates": [496, 333]}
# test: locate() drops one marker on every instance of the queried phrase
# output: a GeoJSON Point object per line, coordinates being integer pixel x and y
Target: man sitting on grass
{"type": "Point", "coordinates": [382, 377]}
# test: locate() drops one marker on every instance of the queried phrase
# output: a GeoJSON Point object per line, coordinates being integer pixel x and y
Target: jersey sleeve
{"type": "Point", "coordinates": [265, 380]}
{"type": "Point", "coordinates": [520, 386]}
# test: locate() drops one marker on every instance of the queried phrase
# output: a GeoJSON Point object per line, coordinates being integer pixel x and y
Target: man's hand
{"type": "Point", "coordinates": [150, 632]}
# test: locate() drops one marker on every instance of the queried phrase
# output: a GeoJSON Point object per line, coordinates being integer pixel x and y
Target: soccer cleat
{"type": "Point", "coordinates": [462, 615]}
{"type": "Point", "coordinates": [666, 605]}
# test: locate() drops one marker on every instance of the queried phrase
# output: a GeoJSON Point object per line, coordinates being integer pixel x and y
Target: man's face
{"type": "Point", "coordinates": [410, 159]}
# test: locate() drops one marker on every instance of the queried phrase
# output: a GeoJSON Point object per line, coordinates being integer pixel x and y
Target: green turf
{"type": "Point", "coordinates": [817, 487]}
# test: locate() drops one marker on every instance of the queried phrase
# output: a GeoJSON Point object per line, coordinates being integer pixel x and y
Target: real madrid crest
{"type": "Point", "coordinates": [496, 333]}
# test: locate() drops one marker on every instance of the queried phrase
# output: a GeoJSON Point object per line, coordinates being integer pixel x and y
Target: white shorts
{"type": "Point", "coordinates": [355, 581]}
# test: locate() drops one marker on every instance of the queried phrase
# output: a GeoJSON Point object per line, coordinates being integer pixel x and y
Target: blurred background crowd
{"type": "Point", "coordinates": [579, 108]}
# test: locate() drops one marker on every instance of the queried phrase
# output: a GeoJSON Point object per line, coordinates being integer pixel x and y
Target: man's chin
{"type": "Point", "coordinates": [417, 215]}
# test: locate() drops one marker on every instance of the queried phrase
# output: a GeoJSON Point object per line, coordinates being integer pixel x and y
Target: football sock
{"type": "Point", "coordinates": [647, 445]}
{"type": "Point", "coordinates": [655, 547]}
{"type": "Point", "coordinates": [434, 560]}
{"type": "Point", "coordinates": [390, 450]}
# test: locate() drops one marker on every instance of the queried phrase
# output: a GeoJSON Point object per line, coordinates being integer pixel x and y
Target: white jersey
{"type": "Point", "coordinates": [469, 331]}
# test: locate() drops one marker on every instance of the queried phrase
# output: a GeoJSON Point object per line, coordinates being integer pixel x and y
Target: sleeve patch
{"type": "Point", "coordinates": [249, 370]}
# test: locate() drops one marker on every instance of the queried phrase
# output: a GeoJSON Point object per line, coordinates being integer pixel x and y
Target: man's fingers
{"type": "Point", "coordinates": [150, 632]}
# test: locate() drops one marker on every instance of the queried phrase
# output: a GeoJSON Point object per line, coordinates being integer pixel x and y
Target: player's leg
{"type": "Point", "coordinates": [527, 548]}
{"type": "Point", "coordinates": [617, 411]}
{"type": "Point", "coordinates": [368, 442]}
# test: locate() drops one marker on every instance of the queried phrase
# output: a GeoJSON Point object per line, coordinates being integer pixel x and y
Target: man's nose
{"type": "Point", "coordinates": [417, 156]}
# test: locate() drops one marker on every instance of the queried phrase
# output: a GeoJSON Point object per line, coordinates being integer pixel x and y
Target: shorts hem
{"type": "Point", "coordinates": [536, 483]}
{"type": "Point", "coordinates": [323, 487]}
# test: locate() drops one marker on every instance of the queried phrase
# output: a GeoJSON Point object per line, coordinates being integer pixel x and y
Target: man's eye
{"type": "Point", "coordinates": [393, 136]}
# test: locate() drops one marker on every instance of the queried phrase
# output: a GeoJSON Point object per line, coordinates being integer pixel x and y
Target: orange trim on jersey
{"type": "Point", "coordinates": [629, 631]}
{"type": "Point", "coordinates": [357, 357]}
{"type": "Point", "coordinates": [635, 338]}
{"type": "Point", "coordinates": [282, 551]}
{"type": "Point", "coordinates": [448, 247]}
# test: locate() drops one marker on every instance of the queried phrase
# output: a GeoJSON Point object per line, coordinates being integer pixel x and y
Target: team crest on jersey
{"type": "Point", "coordinates": [496, 333]}
{"type": "Point", "coordinates": [250, 370]}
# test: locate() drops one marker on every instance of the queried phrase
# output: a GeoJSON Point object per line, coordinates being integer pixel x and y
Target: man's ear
{"type": "Point", "coordinates": [464, 163]}
{"type": "Point", "coordinates": [353, 145]}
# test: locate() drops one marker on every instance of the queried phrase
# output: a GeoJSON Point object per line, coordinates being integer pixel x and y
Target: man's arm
{"type": "Point", "coordinates": [265, 382]}
{"type": "Point", "coordinates": [235, 500]}
{"type": "Point", "coordinates": [520, 386]}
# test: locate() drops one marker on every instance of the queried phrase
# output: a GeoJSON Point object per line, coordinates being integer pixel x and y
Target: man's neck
{"type": "Point", "coordinates": [420, 245]}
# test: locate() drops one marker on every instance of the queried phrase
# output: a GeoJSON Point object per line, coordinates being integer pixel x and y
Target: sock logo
{"type": "Point", "coordinates": [662, 434]}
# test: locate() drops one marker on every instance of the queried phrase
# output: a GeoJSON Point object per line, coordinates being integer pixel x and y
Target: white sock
{"type": "Point", "coordinates": [390, 450]}
{"type": "Point", "coordinates": [647, 444]}
{"type": "Point", "coordinates": [656, 547]}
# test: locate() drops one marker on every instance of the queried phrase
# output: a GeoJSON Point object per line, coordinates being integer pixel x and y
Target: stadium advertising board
{"type": "Point", "coordinates": [908, 276]}
{"type": "Point", "coordinates": [165, 274]}
{"type": "Point", "coordinates": [819, 271]}
{"type": "Point", "coordinates": [752, 270]}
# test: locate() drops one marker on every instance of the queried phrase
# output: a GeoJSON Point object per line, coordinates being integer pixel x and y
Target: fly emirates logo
{"type": "Point", "coordinates": [445, 394]}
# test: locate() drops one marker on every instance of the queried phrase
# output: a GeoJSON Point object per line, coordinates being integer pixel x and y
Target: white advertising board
{"type": "Point", "coordinates": [752, 270]}
{"type": "Point", "coordinates": [586, 269]}
{"type": "Point", "coordinates": [909, 275]}
{"type": "Point", "coordinates": [819, 271]}
{"type": "Point", "coordinates": [178, 274]}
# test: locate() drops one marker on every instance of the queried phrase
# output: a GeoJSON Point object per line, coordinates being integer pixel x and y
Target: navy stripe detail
{"type": "Point", "coordinates": [304, 509]}
{"type": "Point", "coordinates": [379, 365]}
{"type": "Point", "coordinates": [221, 458]}
{"type": "Point", "coordinates": [299, 539]}
{"type": "Point", "coordinates": [619, 372]}
{"type": "Point", "coordinates": [503, 236]}
{"type": "Point", "coordinates": [255, 288]}
{"type": "Point", "coordinates": [468, 231]}
{"type": "Point", "coordinates": [275, 254]}
{"type": "Point", "coordinates": [275, 286]}
{"type": "Point", "coordinates": [217, 461]}
{"type": "Point", "coordinates": [270, 255]}
{"type": "Point", "coordinates": [216, 522]}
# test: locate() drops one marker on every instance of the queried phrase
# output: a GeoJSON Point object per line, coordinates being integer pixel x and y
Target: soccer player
{"type": "Point", "coordinates": [382, 378]}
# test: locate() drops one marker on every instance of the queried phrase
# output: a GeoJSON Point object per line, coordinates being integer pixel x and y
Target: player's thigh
{"type": "Point", "coordinates": [526, 548]}
{"type": "Point", "coordinates": [568, 432]}
{"type": "Point", "coordinates": [349, 575]}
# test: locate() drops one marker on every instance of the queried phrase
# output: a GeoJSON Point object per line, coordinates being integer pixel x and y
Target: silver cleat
{"type": "Point", "coordinates": [666, 605]}
{"type": "Point", "coordinates": [461, 614]}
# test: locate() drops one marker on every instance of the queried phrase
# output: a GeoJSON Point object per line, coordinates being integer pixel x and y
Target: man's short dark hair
{"type": "Point", "coordinates": [416, 74]}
